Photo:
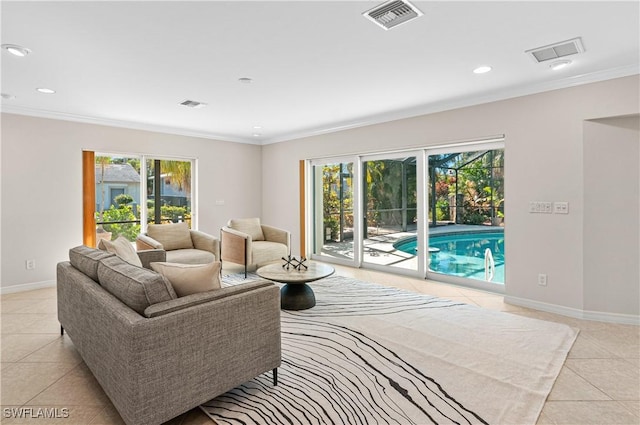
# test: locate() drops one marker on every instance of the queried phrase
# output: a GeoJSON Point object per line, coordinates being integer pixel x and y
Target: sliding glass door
{"type": "Point", "coordinates": [435, 213]}
{"type": "Point", "coordinates": [333, 211]}
{"type": "Point", "coordinates": [390, 211]}
{"type": "Point", "coordinates": [466, 215]}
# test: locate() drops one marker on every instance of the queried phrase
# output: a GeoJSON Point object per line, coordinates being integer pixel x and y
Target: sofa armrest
{"type": "Point", "coordinates": [144, 242]}
{"type": "Point", "coordinates": [235, 246]}
{"type": "Point", "coordinates": [205, 242]}
{"type": "Point", "coordinates": [188, 301]}
{"type": "Point", "coordinates": [149, 256]}
{"type": "Point", "coordinates": [273, 234]}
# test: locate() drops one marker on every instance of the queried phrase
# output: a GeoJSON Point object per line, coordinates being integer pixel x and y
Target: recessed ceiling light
{"type": "Point", "coordinates": [245, 80]}
{"type": "Point", "coordinates": [257, 127]}
{"type": "Point", "coordinates": [16, 50]}
{"type": "Point", "coordinates": [482, 69]}
{"type": "Point", "coordinates": [257, 134]}
{"type": "Point", "coordinates": [8, 96]}
{"type": "Point", "coordinates": [45, 90]}
{"type": "Point", "coordinates": [559, 64]}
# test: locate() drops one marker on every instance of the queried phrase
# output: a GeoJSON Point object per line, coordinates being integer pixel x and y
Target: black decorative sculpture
{"type": "Point", "coordinates": [297, 264]}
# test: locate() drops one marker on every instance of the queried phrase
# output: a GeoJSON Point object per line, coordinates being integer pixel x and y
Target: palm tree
{"type": "Point", "coordinates": [179, 173]}
{"type": "Point", "coordinates": [102, 161]}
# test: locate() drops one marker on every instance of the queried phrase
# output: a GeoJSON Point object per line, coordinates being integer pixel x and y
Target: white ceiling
{"type": "Point", "coordinates": [316, 66]}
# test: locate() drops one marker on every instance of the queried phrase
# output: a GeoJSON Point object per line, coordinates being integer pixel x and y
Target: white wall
{"type": "Point", "coordinates": [543, 162]}
{"type": "Point", "coordinates": [42, 185]}
{"type": "Point", "coordinates": [545, 147]}
{"type": "Point", "coordinates": [612, 215]}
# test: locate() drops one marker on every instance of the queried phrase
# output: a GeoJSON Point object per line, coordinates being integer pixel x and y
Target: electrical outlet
{"type": "Point", "coordinates": [561, 208]}
{"type": "Point", "coordinates": [30, 264]}
{"type": "Point", "coordinates": [542, 279]}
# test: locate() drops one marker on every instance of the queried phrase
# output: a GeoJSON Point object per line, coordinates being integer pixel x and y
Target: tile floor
{"type": "Point", "coordinates": [599, 383]}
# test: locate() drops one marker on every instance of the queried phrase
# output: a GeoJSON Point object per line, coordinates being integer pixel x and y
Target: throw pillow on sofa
{"type": "Point", "coordinates": [188, 279]}
{"type": "Point", "coordinates": [123, 249]}
{"type": "Point", "coordinates": [136, 287]}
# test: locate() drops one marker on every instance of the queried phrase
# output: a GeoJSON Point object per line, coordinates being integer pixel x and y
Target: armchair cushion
{"type": "Point", "coordinates": [265, 252]}
{"type": "Point", "coordinates": [188, 279]}
{"type": "Point", "coordinates": [171, 236]}
{"type": "Point", "coordinates": [250, 226]}
{"type": "Point", "coordinates": [123, 249]}
{"type": "Point", "coordinates": [136, 287]}
{"type": "Point", "coordinates": [190, 256]}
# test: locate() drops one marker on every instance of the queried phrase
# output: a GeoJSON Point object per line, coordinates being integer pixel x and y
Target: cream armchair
{"type": "Point", "coordinates": [248, 242]}
{"type": "Point", "coordinates": [181, 244]}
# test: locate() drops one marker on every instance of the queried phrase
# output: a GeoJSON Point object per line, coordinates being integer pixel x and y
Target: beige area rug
{"type": "Point", "coordinates": [368, 354]}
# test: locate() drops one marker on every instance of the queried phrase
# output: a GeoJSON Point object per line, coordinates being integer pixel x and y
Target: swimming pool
{"type": "Point", "coordinates": [461, 254]}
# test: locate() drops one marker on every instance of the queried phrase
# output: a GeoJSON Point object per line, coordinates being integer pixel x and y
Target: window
{"type": "Point", "coordinates": [114, 204]}
{"type": "Point", "coordinates": [169, 195]}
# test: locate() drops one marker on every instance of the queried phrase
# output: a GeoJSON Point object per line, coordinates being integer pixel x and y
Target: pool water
{"type": "Point", "coordinates": [461, 254]}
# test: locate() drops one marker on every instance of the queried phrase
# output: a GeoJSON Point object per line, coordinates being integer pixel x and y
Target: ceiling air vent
{"type": "Point", "coordinates": [193, 104]}
{"type": "Point", "coordinates": [392, 13]}
{"type": "Point", "coordinates": [556, 50]}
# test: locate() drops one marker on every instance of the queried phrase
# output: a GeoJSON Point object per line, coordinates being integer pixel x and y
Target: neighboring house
{"type": "Point", "coordinates": [170, 194]}
{"type": "Point", "coordinates": [114, 180]}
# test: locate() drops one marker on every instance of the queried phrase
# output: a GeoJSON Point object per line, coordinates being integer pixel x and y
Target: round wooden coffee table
{"type": "Point", "coordinates": [295, 294]}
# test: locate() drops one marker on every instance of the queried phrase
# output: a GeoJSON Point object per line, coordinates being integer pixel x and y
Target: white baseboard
{"type": "Point", "coordinates": [626, 319]}
{"type": "Point", "coordinates": [27, 287]}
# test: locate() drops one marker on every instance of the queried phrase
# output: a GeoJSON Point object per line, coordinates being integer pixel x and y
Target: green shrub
{"type": "Point", "coordinates": [124, 213]}
{"type": "Point", "coordinates": [123, 199]}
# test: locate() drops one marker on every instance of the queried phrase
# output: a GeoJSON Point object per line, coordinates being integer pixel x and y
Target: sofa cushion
{"type": "Point", "coordinates": [250, 226]}
{"type": "Point", "coordinates": [123, 249]}
{"type": "Point", "coordinates": [171, 236]}
{"type": "Point", "coordinates": [136, 287]}
{"type": "Point", "coordinates": [86, 259]}
{"type": "Point", "coordinates": [188, 279]}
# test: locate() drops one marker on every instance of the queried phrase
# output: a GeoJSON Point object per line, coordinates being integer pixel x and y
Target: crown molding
{"type": "Point", "coordinates": [425, 109]}
{"type": "Point", "coordinates": [448, 105]}
{"type": "Point", "coordinates": [40, 113]}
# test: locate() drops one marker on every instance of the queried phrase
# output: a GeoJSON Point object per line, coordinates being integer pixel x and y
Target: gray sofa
{"type": "Point", "coordinates": [155, 355]}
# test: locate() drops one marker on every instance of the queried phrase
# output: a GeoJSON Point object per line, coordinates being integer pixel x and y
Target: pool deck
{"type": "Point", "coordinates": [379, 249]}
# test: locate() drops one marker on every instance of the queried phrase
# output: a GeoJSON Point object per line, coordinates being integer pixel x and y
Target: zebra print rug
{"type": "Point", "coordinates": [369, 354]}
